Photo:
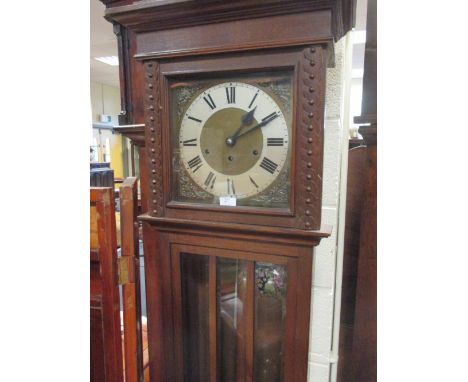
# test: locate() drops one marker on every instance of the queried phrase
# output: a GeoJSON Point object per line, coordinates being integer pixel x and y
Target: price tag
{"type": "Point", "coordinates": [227, 201]}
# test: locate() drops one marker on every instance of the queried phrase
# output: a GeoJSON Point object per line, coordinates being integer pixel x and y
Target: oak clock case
{"type": "Point", "coordinates": [229, 287]}
{"type": "Point", "coordinates": [230, 138]}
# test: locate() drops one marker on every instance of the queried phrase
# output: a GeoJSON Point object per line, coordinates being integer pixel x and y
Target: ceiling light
{"type": "Point", "coordinates": [110, 60]}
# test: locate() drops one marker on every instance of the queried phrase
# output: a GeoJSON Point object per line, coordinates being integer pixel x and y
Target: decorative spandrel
{"type": "Point", "coordinates": [231, 137]}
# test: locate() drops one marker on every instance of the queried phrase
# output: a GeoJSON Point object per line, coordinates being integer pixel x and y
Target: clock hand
{"type": "Point", "coordinates": [245, 120]}
{"type": "Point", "coordinates": [261, 124]}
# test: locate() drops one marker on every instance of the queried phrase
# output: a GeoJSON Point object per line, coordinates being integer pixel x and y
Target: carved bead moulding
{"type": "Point", "coordinates": [153, 137]}
{"type": "Point", "coordinates": [310, 135]}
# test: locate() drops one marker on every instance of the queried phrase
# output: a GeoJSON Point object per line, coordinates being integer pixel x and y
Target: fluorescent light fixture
{"type": "Point", "coordinates": [359, 37]}
{"type": "Point", "coordinates": [110, 60]}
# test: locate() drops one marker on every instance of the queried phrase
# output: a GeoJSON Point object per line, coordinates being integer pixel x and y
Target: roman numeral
{"type": "Point", "coordinates": [275, 142]}
{"type": "Point", "coordinates": [191, 142]}
{"type": "Point", "coordinates": [253, 99]}
{"type": "Point", "coordinates": [253, 182]}
{"type": "Point", "coordinates": [210, 101]}
{"type": "Point", "coordinates": [268, 165]}
{"type": "Point", "coordinates": [194, 119]}
{"type": "Point", "coordinates": [195, 162]}
{"type": "Point", "coordinates": [271, 116]}
{"type": "Point", "coordinates": [210, 178]}
{"type": "Point", "coordinates": [230, 187]}
{"type": "Point", "coordinates": [231, 94]}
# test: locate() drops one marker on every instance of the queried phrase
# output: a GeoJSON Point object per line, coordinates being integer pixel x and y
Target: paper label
{"type": "Point", "coordinates": [227, 201]}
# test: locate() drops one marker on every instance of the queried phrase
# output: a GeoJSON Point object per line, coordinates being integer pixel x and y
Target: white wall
{"type": "Point", "coordinates": [325, 259]}
{"type": "Point", "coordinates": [105, 99]}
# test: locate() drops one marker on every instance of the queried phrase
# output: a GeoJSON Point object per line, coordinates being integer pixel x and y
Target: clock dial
{"type": "Point", "coordinates": [233, 140]}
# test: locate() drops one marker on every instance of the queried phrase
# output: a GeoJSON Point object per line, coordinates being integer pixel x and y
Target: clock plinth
{"type": "Point", "coordinates": [232, 96]}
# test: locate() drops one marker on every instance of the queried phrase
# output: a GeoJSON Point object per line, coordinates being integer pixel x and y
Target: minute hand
{"type": "Point", "coordinates": [261, 124]}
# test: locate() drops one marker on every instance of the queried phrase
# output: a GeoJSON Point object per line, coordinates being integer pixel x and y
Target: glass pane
{"type": "Point", "coordinates": [194, 275]}
{"type": "Point", "coordinates": [270, 313]}
{"type": "Point", "coordinates": [231, 294]}
{"type": "Point", "coordinates": [220, 169]}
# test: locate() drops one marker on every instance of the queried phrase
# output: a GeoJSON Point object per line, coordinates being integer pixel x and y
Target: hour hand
{"type": "Point", "coordinates": [245, 121]}
{"type": "Point", "coordinates": [264, 122]}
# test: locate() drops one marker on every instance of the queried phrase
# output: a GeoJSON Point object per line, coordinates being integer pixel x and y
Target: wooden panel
{"type": "Point", "coordinates": [354, 198]}
{"type": "Point", "coordinates": [267, 32]}
{"type": "Point", "coordinates": [106, 342]}
{"type": "Point", "coordinates": [212, 315]}
{"type": "Point", "coordinates": [131, 291]}
{"type": "Point", "coordinates": [169, 14]}
{"type": "Point", "coordinates": [290, 324]}
{"type": "Point", "coordinates": [267, 235]}
{"type": "Point", "coordinates": [365, 320]}
{"type": "Point", "coordinates": [365, 324]}
{"type": "Point", "coordinates": [249, 317]}
{"type": "Point", "coordinates": [97, 366]}
{"type": "Point", "coordinates": [304, 285]}
{"type": "Point", "coordinates": [93, 229]}
{"type": "Point", "coordinates": [156, 331]}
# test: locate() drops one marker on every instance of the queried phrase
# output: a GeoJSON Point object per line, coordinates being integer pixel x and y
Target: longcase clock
{"type": "Point", "coordinates": [231, 95]}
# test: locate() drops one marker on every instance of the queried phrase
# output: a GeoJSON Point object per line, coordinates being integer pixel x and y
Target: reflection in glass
{"type": "Point", "coordinates": [231, 294]}
{"type": "Point", "coordinates": [270, 313]}
{"type": "Point", "coordinates": [194, 275]}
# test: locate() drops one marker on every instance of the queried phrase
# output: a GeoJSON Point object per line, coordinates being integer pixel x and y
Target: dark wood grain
{"type": "Point", "coordinates": [365, 322]}
{"type": "Point", "coordinates": [265, 234]}
{"type": "Point", "coordinates": [364, 357]}
{"type": "Point", "coordinates": [131, 291]}
{"type": "Point", "coordinates": [212, 319]}
{"type": "Point", "coordinates": [125, 78]}
{"type": "Point", "coordinates": [135, 133]}
{"type": "Point", "coordinates": [357, 167]}
{"type": "Point", "coordinates": [300, 29]}
{"type": "Point", "coordinates": [168, 14]}
{"type": "Point", "coordinates": [106, 343]}
{"type": "Point", "coordinates": [156, 321]}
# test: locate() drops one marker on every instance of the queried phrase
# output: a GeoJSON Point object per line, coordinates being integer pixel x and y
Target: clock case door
{"type": "Point", "coordinates": [308, 66]}
{"type": "Point", "coordinates": [191, 334]}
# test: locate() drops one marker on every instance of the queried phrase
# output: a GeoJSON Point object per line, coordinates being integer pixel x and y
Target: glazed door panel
{"type": "Point", "coordinates": [232, 310]}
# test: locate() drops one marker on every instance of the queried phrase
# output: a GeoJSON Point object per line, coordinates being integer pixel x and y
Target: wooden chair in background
{"type": "Point", "coordinates": [106, 345]}
{"type": "Point", "coordinates": [116, 356]}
